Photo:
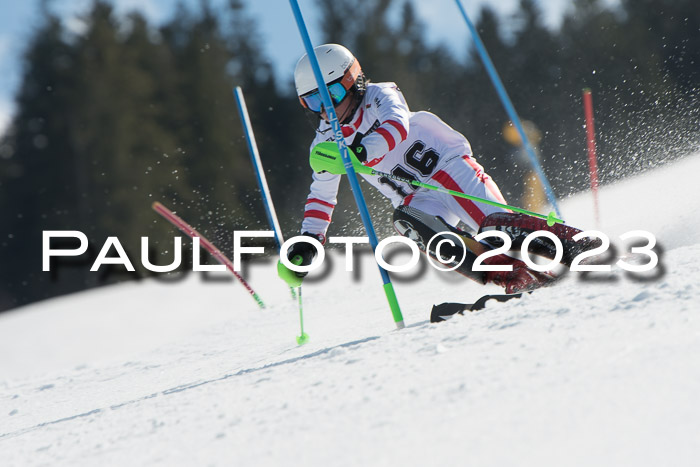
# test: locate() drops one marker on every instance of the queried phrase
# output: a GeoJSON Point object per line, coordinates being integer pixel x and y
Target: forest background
{"type": "Point", "coordinates": [127, 112]}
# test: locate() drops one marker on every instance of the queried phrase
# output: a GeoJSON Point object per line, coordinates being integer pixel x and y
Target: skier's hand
{"type": "Point", "coordinates": [359, 151]}
{"type": "Point", "coordinates": [300, 254]}
{"type": "Point", "coordinates": [325, 157]}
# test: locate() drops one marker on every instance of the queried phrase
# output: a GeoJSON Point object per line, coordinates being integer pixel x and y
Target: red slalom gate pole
{"type": "Point", "coordinates": [214, 251]}
{"type": "Point", "coordinates": [592, 159]}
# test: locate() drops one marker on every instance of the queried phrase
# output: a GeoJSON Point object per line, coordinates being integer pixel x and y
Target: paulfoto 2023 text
{"type": "Point", "coordinates": [451, 263]}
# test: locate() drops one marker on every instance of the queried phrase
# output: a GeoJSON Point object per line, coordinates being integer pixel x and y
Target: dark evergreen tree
{"type": "Point", "coordinates": [487, 114]}
{"type": "Point", "coordinates": [205, 129]}
{"type": "Point", "coordinates": [38, 175]}
{"type": "Point", "coordinates": [118, 128]}
{"type": "Point", "coordinates": [277, 122]}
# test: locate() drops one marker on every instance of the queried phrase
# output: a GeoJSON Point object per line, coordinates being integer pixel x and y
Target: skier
{"type": "Point", "coordinates": [383, 133]}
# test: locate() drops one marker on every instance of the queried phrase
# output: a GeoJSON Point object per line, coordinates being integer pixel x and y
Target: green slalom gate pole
{"type": "Point", "coordinates": [347, 162]}
{"type": "Point", "coordinates": [324, 158]}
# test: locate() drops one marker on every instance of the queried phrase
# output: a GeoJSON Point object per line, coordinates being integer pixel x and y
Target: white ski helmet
{"type": "Point", "coordinates": [338, 65]}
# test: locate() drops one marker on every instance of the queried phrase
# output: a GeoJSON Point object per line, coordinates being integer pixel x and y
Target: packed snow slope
{"type": "Point", "coordinates": [601, 369]}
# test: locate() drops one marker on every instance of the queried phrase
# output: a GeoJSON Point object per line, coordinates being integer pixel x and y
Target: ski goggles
{"type": "Point", "coordinates": [312, 101]}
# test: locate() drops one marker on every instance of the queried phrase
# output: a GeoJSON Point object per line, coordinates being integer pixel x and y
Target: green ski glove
{"type": "Point", "coordinates": [325, 157]}
{"type": "Point", "coordinates": [300, 254]}
{"type": "Point", "coordinates": [289, 276]}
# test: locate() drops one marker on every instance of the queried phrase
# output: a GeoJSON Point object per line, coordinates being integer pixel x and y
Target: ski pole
{"type": "Point", "coordinates": [259, 172]}
{"type": "Point", "coordinates": [344, 153]}
{"type": "Point", "coordinates": [324, 157]}
{"type": "Point", "coordinates": [508, 105]}
{"type": "Point", "coordinates": [214, 251]}
{"type": "Point", "coordinates": [550, 218]}
{"type": "Point", "coordinates": [303, 338]}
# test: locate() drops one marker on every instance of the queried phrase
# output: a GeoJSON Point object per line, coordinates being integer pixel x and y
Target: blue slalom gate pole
{"type": "Point", "coordinates": [260, 173]}
{"type": "Point", "coordinates": [498, 84]}
{"type": "Point", "coordinates": [342, 147]}
{"type": "Point", "coordinates": [257, 165]}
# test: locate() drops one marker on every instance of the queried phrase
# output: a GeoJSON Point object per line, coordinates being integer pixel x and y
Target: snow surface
{"type": "Point", "coordinates": [599, 370]}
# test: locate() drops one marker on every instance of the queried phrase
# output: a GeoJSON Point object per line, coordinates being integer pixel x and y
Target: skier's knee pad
{"type": "Point", "coordinates": [428, 231]}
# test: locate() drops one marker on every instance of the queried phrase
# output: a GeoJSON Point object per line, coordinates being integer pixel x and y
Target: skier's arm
{"type": "Point", "coordinates": [317, 217]}
{"type": "Point", "coordinates": [391, 110]}
{"type": "Point", "coordinates": [320, 204]}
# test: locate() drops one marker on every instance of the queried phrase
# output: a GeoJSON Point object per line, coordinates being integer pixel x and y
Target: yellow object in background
{"type": "Point", "coordinates": [533, 196]}
{"type": "Point", "coordinates": [511, 135]}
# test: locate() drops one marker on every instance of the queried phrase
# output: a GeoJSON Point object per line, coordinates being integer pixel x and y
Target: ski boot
{"type": "Point", "coordinates": [520, 279]}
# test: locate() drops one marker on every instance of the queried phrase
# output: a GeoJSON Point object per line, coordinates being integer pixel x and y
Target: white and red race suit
{"type": "Point", "coordinates": [413, 145]}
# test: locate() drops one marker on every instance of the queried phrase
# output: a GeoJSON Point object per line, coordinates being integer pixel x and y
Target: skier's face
{"type": "Point", "coordinates": [344, 109]}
